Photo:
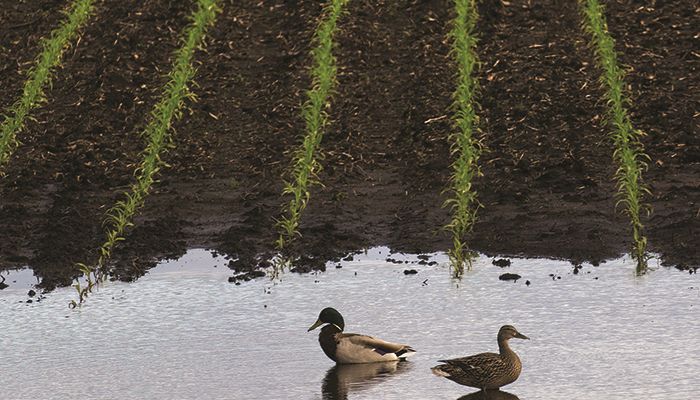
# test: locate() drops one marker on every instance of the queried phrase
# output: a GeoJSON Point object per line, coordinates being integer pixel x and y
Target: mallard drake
{"type": "Point", "coordinates": [351, 348]}
{"type": "Point", "coordinates": [485, 370]}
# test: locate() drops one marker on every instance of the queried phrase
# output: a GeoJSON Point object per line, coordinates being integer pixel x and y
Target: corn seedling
{"type": "Point", "coordinates": [157, 136]}
{"type": "Point", "coordinates": [39, 76]}
{"type": "Point", "coordinates": [628, 154]}
{"type": "Point", "coordinates": [465, 148]}
{"type": "Point", "coordinates": [305, 164]}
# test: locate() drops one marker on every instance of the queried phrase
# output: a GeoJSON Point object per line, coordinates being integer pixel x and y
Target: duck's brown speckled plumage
{"type": "Point", "coordinates": [485, 370]}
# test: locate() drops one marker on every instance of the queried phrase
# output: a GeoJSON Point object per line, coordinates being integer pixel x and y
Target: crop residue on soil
{"type": "Point", "coordinates": [547, 187]}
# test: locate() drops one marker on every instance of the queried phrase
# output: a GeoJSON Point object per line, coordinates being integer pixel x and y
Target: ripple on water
{"type": "Point", "coordinates": [183, 331]}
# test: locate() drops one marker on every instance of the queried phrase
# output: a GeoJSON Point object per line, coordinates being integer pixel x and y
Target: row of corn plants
{"type": "Point", "coordinates": [465, 147]}
{"type": "Point", "coordinates": [157, 135]}
{"type": "Point", "coordinates": [629, 154]}
{"type": "Point", "coordinates": [39, 76]}
{"type": "Point", "coordinates": [305, 164]}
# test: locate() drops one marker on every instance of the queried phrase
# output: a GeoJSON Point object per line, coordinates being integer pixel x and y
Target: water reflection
{"type": "Point", "coordinates": [343, 379]}
{"type": "Point", "coordinates": [176, 359]}
{"type": "Point", "coordinates": [490, 395]}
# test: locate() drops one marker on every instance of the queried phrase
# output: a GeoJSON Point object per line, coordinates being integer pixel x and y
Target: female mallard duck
{"type": "Point", "coordinates": [351, 348]}
{"type": "Point", "coordinates": [486, 370]}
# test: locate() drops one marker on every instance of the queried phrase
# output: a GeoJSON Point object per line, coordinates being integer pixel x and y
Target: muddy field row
{"type": "Point", "coordinates": [547, 187]}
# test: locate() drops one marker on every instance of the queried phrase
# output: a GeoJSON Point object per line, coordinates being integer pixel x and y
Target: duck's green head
{"type": "Point", "coordinates": [329, 316]}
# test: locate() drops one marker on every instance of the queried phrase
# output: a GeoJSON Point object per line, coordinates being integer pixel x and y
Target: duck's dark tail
{"type": "Point", "coordinates": [405, 352]}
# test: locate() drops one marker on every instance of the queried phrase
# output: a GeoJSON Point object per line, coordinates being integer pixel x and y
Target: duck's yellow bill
{"type": "Point", "coordinates": [315, 325]}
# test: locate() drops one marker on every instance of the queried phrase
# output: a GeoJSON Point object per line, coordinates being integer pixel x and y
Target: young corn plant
{"type": "Point", "coordinates": [629, 154]}
{"type": "Point", "coordinates": [305, 163]}
{"type": "Point", "coordinates": [39, 75]}
{"type": "Point", "coordinates": [158, 139]}
{"type": "Point", "coordinates": [465, 147]}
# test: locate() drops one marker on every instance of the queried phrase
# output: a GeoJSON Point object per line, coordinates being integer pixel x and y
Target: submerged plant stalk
{"type": "Point", "coordinates": [305, 165]}
{"type": "Point", "coordinates": [465, 148]}
{"type": "Point", "coordinates": [39, 75]}
{"type": "Point", "coordinates": [629, 154]}
{"type": "Point", "coordinates": [157, 137]}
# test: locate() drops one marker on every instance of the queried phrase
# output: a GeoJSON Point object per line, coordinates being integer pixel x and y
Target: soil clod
{"type": "Point", "coordinates": [509, 277]}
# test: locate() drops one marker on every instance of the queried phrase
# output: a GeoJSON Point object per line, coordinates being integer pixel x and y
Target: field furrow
{"type": "Point", "coordinates": [629, 156]}
{"type": "Point", "coordinates": [306, 164]}
{"type": "Point", "coordinates": [24, 26]}
{"type": "Point", "coordinates": [81, 151]}
{"type": "Point", "coordinates": [546, 189]}
{"type": "Point", "coordinates": [39, 75]}
{"type": "Point", "coordinates": [546, 161]}
{"type": "Point", "coordinates": [157, 138]}
{"type": "Point", "coordinates": [387, 157]}
{"type": "Point", "coordinates": [224, 182]}
{"type": "Point", "coordinates": [655, 45]}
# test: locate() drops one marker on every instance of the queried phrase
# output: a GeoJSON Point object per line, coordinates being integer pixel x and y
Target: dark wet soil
{"type": "Point", "coordinates": [546, 189]}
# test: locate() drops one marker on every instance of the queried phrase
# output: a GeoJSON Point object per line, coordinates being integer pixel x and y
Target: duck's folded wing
{"type": "Point", "coordinates": [481, 365]}
{"type": "Point", "coordinates": [378, 345]}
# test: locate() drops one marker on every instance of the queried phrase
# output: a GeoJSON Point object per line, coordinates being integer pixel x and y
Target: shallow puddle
{"type": "Point", "coordinates": [183, 332]}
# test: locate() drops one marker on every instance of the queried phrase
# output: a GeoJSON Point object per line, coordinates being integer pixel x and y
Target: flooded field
{"type": "Point", "coordinates": [185, 332]}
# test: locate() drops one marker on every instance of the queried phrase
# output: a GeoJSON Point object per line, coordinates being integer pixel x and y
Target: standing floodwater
{"type": "Point", "coordinates": [184, 332]}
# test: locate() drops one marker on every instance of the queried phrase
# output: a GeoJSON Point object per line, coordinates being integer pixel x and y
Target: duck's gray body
{"type": "Point", "coordinates": [352, 348]}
